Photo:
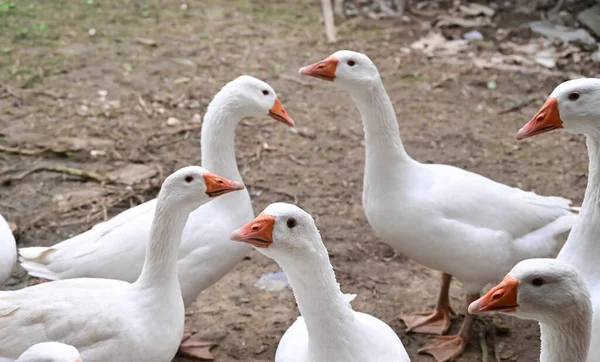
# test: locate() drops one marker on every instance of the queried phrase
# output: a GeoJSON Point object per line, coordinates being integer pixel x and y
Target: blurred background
{"type": "Point", "coordinates": [100, 100]}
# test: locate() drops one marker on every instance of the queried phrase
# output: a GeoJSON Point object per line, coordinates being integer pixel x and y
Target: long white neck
{"type": "Point", "coordinates": [382, 134]}
{"type": "Point", "coordinates": [217, 143]}
{"type": "Point", "coordinates": [568, 340]}
{"type": "Point", "coordinates": [582, 248]}
{"type": "Point", "coordinates": [327, 314]}
{"type": "Point", "coordinates": [160, 266]}
{"type": "Point", "coordinates": [218, 138]}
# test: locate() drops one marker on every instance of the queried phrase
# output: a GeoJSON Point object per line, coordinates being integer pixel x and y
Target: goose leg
{"type": "Point", "coordinates": [436, 322]}
{"type": "Point", "coordinates": [448, 348]}
{"type": "Point", "coordinates": [195, 350]}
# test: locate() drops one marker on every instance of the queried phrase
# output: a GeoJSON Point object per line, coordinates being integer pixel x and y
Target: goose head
{"type": "Point", "coordinates": [573, 105]}
{"type": "Point", "coordinates": [544, 290]}
{"type": "Point", "coordinates": [251, 97]}
{"type": "Point", "coordinates": [279, 231]}
{"type": "Point", "coordinates": [348, 70]}
{"type": "Point", "coordinates": [192, 186]}
{"type": "Point", "coordinates": [50, 352]}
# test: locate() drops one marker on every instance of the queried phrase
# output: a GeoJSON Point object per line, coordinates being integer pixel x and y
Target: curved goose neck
{"type": "Point", "coordinates": [218, 136]}
{"type": "Point", "coordinates": [382, 134]}
{"type": "Point", "coordinates": [326, 311]}
{"type": "Point", "coordinates": [582, 249]}
{"type": "Point", "coordinates": [160, 266]}
{"type": "Point", "coordinates": [569, 340]}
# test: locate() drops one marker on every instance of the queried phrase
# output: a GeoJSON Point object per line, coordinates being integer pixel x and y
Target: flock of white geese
{"type": "Point", "coordinates": [119, 291]}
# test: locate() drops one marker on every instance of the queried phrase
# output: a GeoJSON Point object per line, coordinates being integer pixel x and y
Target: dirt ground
{"type": "Point", "coordinates": [90, 85]}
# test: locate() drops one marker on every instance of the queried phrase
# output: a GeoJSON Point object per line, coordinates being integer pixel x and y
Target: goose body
{"type": "Point", "coordinates": [115, 249]}
{"type": "Point", "coordinates": [553, 293]}
{"type": "Point", "coordinates": [443, 217]}
{"type": "Point", "coordinates": [328, 330]}
{"type": "Point", "coordinates": [498, 225]}
{"type": "Point", "coordinates": [8, 251]}
{"type": "Point", "coordinates": [379, 343]}
{"type": "Point", "coordinates": [50, 352]}
{"type": "Point", "coordinates": [575, 106]}
{"type": "Point", "coordinates": [112, 320]}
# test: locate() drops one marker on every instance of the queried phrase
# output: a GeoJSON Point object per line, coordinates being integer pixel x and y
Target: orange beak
{"type": "Point", "coordinates": [258, 232]}
{"type": "Point", "coordinates": [325, 69]}
{"type": "Point", "coordinates": [501, 298]}
{"type": "Point", "coordinates": [217, 185]}
{"type": "Point", "coordinates": [546, 119]}
{"type": "Point", "coordinates": [278, 113]}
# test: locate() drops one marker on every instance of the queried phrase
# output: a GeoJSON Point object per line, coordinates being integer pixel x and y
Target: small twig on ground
{"type": "Point", "coordinates": [296, 160]}
{"type": "Point", "coordinates": [295, 79]}
{"type": "Point", "coordinates": [378, 281]}
{"type": "Point", "coordinates": [144, 106]}
{"type": "Point", "coordinates": [518, 106]}
{"type": "Point", "coordinates": [27, 152]}
{"type": "Point", "coordinates": [88, 175]}
{"type": "Point", "coordinates": [341, 271]}
{"type": "Point", "coordinates": [330, 31]}
{"type": "Point", "coordinates": [484, 347]}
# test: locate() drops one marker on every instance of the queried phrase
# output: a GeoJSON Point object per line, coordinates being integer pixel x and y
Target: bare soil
{"type": "Point", "coordinates": [99, 100]}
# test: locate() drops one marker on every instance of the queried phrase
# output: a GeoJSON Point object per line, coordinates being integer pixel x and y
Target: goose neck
{"type": "Point", "coordinates": [591, 200]}
{"type": "Point", "coordinates": [382, 133]}
{"type": "Point", "coordinates": [326, 311]}
{"type": "Point", "coordinates": [160, 265]}
{"type": "Point", "coordinates": [568, 340]}
{"type": "Point", "coordinates": [218, 138]}
{"type": "Point", "coordinates": [582, 248]}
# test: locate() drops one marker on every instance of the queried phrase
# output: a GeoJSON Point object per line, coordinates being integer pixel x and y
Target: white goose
{"type": "Point", "coordinates": [443, 217]}
{"type": "Point", "coordinates": [112, 320]}
{"type": "Point", "coordinates": [115, 249]}
{"type": "Point", "coordinates": [329, 330]}
{"type": "Point", "coordinates": [575, 106]}
{"type": "Point", "coordinates": [50, 352]}
{"type": "Point", "coordinates": [8, 251]}
{"type": "Point", "coordinates": [553, 293]}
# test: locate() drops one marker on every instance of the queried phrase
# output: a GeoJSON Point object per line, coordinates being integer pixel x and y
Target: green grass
{"type": "Point", "coordinates": [43, 37]}
{"type": "Point", "coordinates": [5, 7]}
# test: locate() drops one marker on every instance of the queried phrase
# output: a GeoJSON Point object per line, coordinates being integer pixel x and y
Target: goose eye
{"type": "Point", "coordinates": [351, 63]}
{"type": "Point", "coordinates": [538, 282]}
{"type": "Point", "coordinates": [265, 92]}
{"type": "Point", "coordinates": [189, 178]}
{"type": "Point", "coordinates": [291, 223]}
{"type": "Point", "coordinates": [574, 96]}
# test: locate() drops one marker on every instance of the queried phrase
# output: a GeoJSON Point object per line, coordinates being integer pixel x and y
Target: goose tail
{"type": "Point", "coordinates": [35, 261]}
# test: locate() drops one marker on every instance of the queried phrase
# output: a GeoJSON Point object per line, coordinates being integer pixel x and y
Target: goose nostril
{"type": "Point", "coordinates": [540, 118]}
{"type": "Point", "coordinates": [255, 227]}
{"type": "Point", "coordinates": [497, 296]}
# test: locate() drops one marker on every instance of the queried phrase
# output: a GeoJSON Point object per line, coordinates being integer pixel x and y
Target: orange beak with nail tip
{"type": "Point", "coordinates": [325, 69]}
{"type": "Point", "coordinates": [258, 232]}
{"type": "Point", "coordinates": [545, 120]}
{"type": "Point", "coordinates": [501, 298]}
{"type": "Point", "coordinates": [279, 113]}
{"type": "Point", "coordinates": [217, 185]}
